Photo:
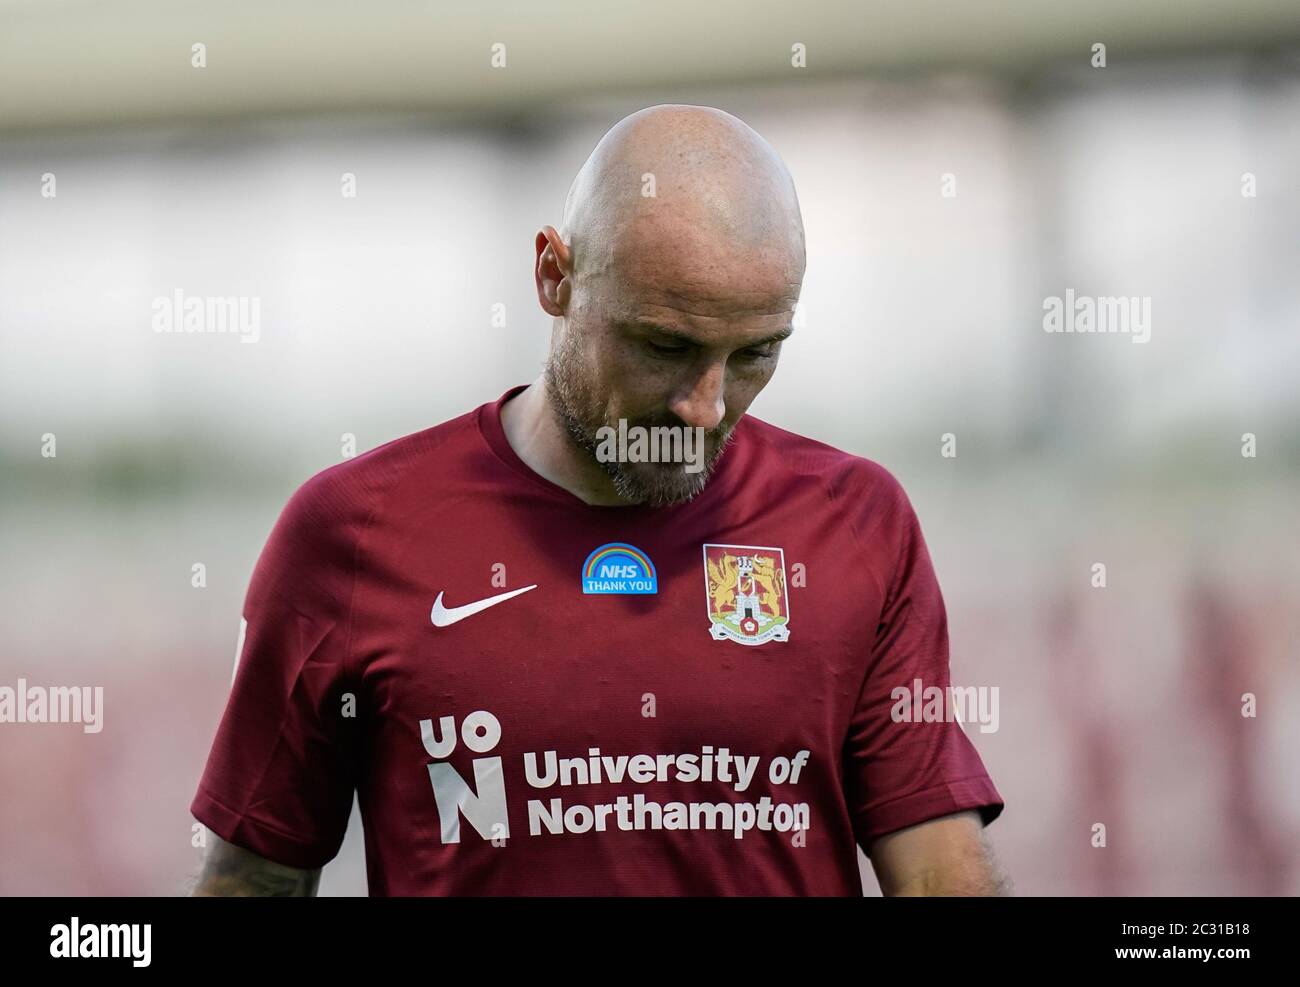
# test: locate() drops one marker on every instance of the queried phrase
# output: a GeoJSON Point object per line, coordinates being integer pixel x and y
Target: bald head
{"type": "Point", "coordinates": [681, 176]}
{"type": "Point", "coordinates": [672, 282]}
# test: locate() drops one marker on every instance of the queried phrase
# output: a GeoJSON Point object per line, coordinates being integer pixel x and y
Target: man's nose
{"type": "Point", "coordinates": [701, 404]}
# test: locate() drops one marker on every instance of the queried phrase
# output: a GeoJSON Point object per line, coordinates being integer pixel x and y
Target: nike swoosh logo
{"type": "Point", "coordinates": [442, 617]}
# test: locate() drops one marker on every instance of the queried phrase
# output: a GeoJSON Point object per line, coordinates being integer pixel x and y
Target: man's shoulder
{"type": "Point", "coordinates": [844, 473]}
{"type": "Point", "coordinates": [344, 495]}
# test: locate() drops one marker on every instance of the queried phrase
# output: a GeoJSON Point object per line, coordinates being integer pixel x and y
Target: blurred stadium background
{"type": "Point", "coordinates": [922, 315]}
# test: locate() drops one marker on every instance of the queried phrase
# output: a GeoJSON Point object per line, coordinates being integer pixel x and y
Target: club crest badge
{"type": "Point", "coordinates": [745, 593]}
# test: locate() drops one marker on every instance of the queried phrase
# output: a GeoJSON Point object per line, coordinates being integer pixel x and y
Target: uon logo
{"type": "Point", "coordinates": [485, 806]}
{"type": "Point", "coordinates": [745, 593]}
{"type": "Point", "coordinates": [619, 568]}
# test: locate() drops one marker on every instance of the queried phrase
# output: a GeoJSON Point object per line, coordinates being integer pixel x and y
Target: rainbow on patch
{"type": "Point", "coordinates": [619, 568]}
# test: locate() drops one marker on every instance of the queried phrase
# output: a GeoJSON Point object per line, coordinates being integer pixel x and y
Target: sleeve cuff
{"type": "Point", "coordinates": [930, 803]}
{"type": "Point", "coordinates": [258, 837]}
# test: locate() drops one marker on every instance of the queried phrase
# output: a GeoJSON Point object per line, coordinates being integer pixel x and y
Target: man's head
{"type": "Point", "coordinates": [672, 280]}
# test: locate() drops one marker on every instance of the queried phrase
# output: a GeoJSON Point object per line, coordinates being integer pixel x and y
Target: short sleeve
{"type": "Point", "coordinates": [900, 773]}
{"type": "Point", "coordinates": [281, 774]}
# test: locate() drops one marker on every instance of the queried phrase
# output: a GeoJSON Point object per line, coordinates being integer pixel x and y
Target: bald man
{"type": "Point", "coordinates": [607, 634]}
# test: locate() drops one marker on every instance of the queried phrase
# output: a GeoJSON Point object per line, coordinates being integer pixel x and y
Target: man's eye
{"type": "Point", "coordinates": [665, 350]}
{"type": "Point", "coordinates": [758, 354]}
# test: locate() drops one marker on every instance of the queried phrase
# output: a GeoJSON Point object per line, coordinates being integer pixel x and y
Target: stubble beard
{"type": "Point", "coordinates": [652, 484]}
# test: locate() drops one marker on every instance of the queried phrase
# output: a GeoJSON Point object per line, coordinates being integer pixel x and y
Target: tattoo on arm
{"type": "Point", "coordinates": [230, 871]}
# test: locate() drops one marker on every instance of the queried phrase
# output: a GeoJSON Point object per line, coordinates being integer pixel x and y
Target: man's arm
{"type": "Point", "coordinates": [946, 856]}
{"type": "Point", "coordinates": [230, 871]}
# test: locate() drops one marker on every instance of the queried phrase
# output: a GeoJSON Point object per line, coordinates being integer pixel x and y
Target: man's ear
{"type": "Point", "coordinates": [553, 272]}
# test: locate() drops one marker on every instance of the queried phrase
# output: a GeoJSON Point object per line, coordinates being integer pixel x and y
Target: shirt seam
{"type": "Point", "coordinates": [886, 590]}
{"type": "Point", "coordinates": [351, 671]}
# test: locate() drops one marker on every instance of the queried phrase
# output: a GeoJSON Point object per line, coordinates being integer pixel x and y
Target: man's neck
{"type": "Point", "coordinates": [537, 436]}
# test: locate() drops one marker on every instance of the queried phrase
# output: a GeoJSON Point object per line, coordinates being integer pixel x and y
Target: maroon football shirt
{"type": "Point", "coordinates": [531, 695]}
